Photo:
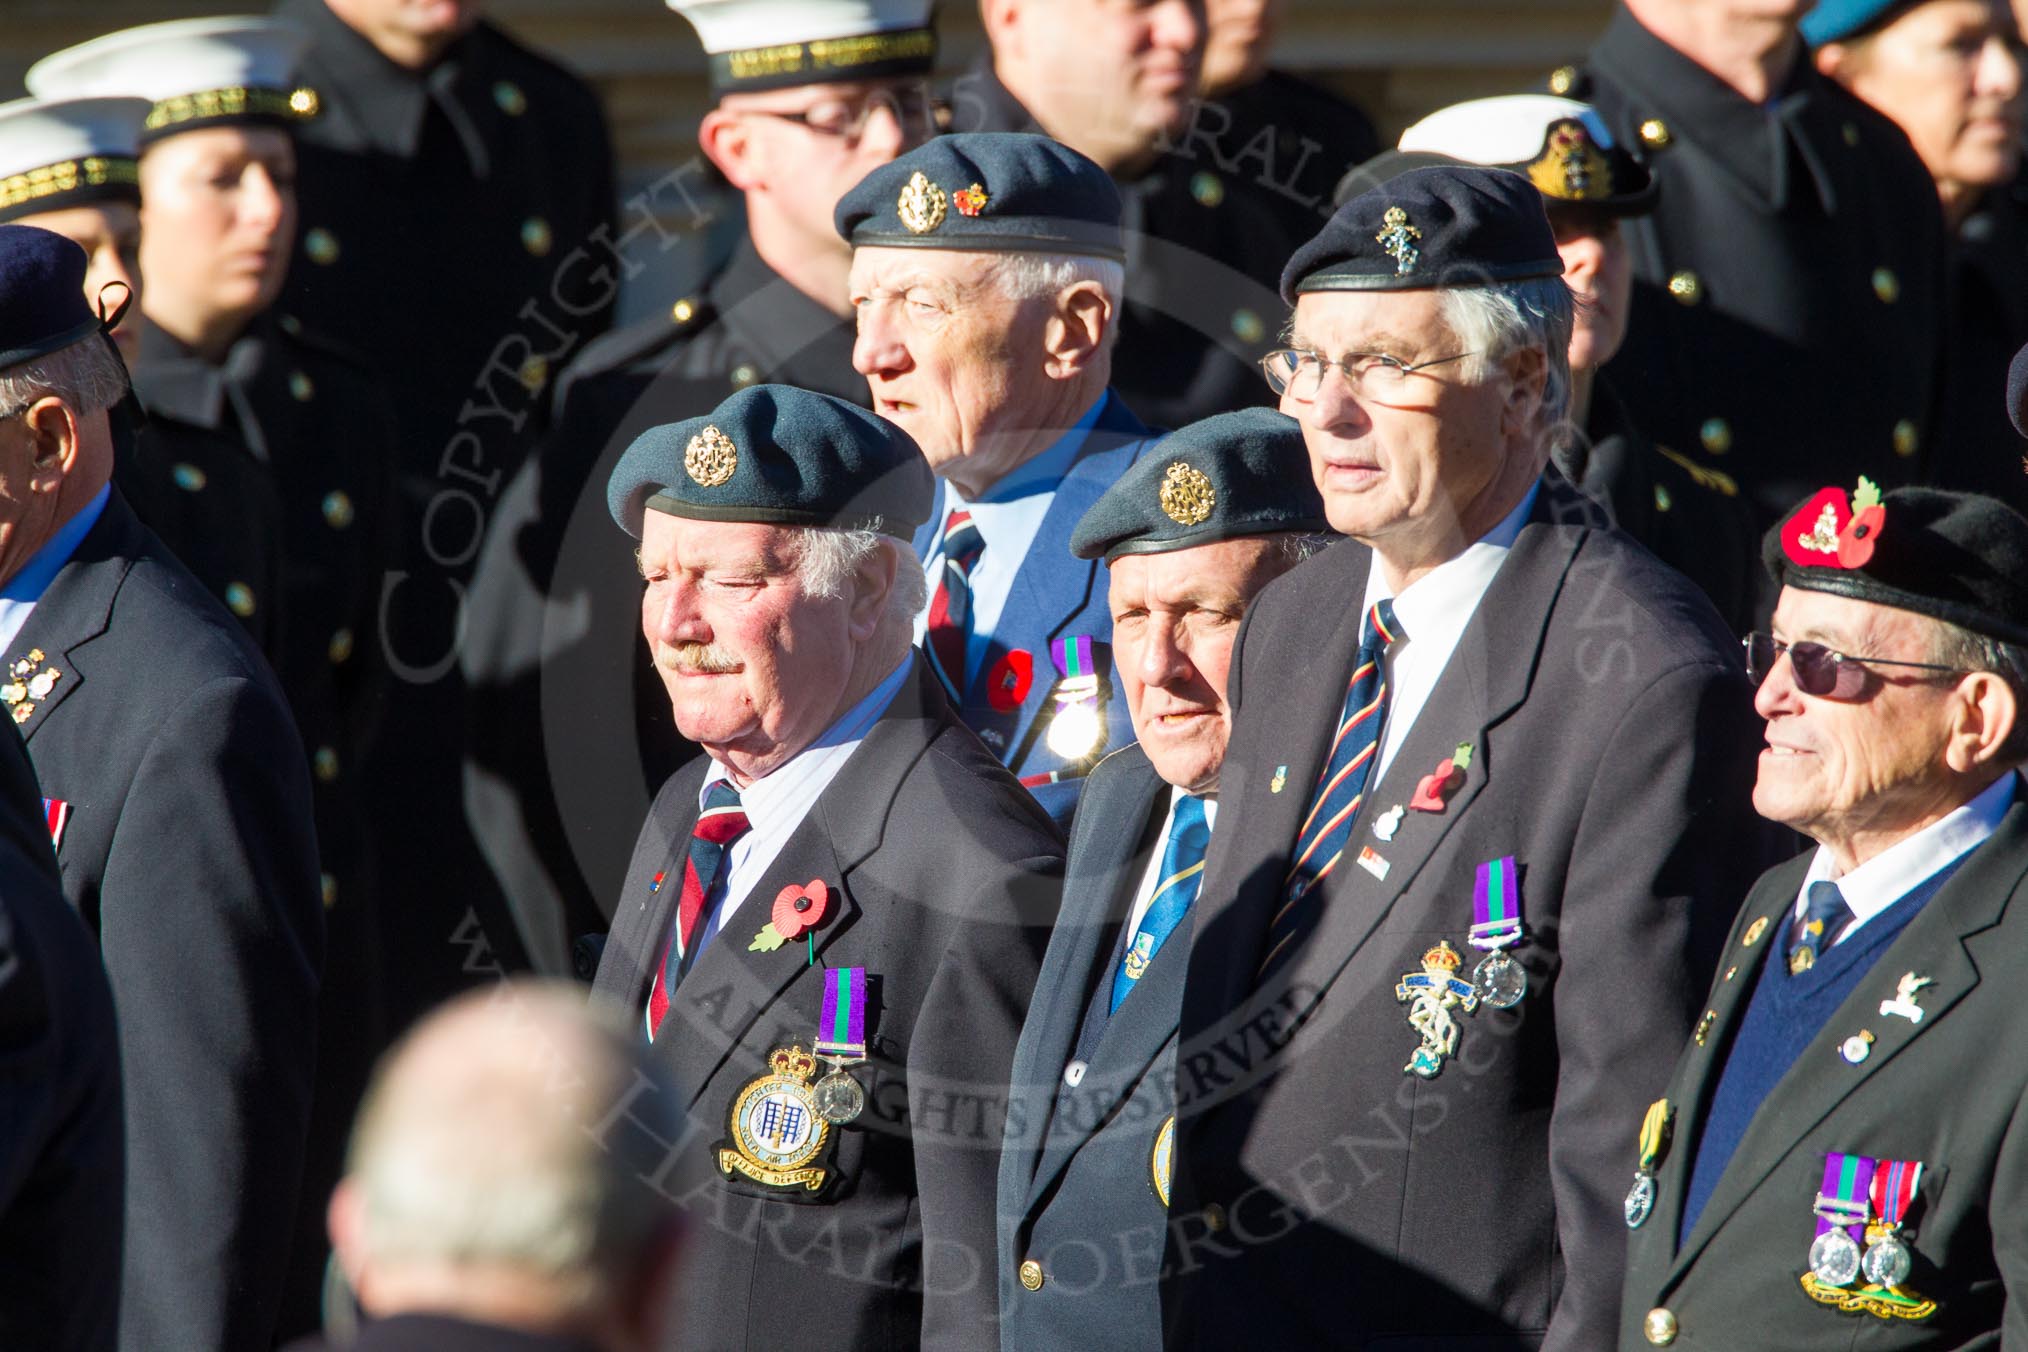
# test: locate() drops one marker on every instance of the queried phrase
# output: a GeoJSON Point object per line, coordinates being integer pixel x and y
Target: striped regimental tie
{"type": "Point", "coordinates": [1182, 875]}
{"type": "Point", "coordinates": [722, 822]}
{"type": "Point", "coordinates": [950, 613]}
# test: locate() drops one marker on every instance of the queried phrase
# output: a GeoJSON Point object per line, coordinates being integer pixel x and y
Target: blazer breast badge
{"type": "Point", "coordinates": [777, 1132]}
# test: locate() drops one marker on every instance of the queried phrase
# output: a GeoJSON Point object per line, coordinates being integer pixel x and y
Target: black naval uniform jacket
{"type": "Point", "coordinates": [1077, 1188]}
{"type": "Point", "coordinates": [1950, 1091]}
{"type": "Point", "coordinates": [1788, 315]}
{"type": "Point", "coordinates": [1203, 268]}
{"type": "Point", "coordinates": [61, 1171]}
{"type": "Point", "coordinates": [555, 597]}
{"type": "Point", "coordinates": [1324, 1197]}
{"type": "Point", "coordinates": [944, 877]}
{"type": "Point", "coordinates": [1980, 451]}
{"type": "Point", "coordinates": [190, 853]}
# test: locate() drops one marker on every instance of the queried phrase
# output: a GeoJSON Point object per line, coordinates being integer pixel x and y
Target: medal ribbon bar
{"type": "Point", "coordinates": [1893, 1190]}
{"type": "Point", "coordinates": [1842, 1205]}
{"type": "Point", "coordinates": [1496, 905]}
{"type": "Point", "coordinates": [841, 1030]}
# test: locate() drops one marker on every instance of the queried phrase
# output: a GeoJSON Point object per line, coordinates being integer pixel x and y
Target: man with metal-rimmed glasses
{"type": "Point", "coordinates": [1846, 1142]}
{"type": "Point", "coordinates": [1489, 760]}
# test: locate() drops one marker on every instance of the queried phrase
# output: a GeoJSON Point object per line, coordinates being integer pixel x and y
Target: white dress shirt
{"type": "Point", "coordinates": [1890, 875]}
{"type": "Point", "coordinates": [1007, 517]}
{"type": "Point", "coordinates": [1151, 877]}
{"type": "Point", "coordinates": [776, 803]}
{"type": "Point", "coordinates": [1434, 611]}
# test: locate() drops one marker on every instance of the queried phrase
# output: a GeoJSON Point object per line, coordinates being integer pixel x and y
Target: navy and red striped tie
{"type": "Point", "coordinates": [950, 614]}
{"type": "Point", "coordinates": [1327, 829]}
{"type": "Point", "coordinates": [721, 823]}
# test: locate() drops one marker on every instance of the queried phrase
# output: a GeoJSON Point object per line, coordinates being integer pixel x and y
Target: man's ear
{"type": "Point", "coordinates": [1002, 21]}
{"type": "Point", "coordinates": [727, 143]}
{"type": "Point", "coordinates": [1078, 323]}
{"type": "Point", "coordinates": [1527, 382]}
{"type": "Point", "coordinates": [872, 581]}
{"type": "Point", "coordinates": [1986, 718]}
{"type": "Point", "coordinates": [345, 1220]}
{"type": "Point", "coordinates": [53, 428]}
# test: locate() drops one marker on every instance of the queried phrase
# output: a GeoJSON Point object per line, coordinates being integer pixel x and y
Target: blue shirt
{"type": "Point", "coordinates": [32, 579]}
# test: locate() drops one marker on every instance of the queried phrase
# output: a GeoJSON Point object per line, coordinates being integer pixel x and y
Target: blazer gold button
{"type": "Point", "coordinates": [1659, 1327]}
{"type": "Point", "coordinates": [535, 236]}
{"type": "Point", "coordinates": [1906, 438]}
{"type": "Point", "coordinates": [320, 246]}
{"type": "Point", "coordinates": [1716, 434]}
{"type": "Point", "coordinates": [1031, 1275]}
{"type": "Point", "coordinates": [682, 310]}
{"type": "Point", "coordinates": [1214, 1217]}
{"type": "Point", "coordinates": [1686, 287]}
{"type": "Point", "coordinates": [1886, 285]}
{"type": "Point", "coordinates": [1561, 79]}
{"type": "Point", "coordinates": [1655, 133]}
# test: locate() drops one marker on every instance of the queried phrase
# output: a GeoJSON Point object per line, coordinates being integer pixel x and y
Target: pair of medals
{"type": "Point", "coordinates": [781, 1121]}
{"type": "Point", "coordinates": [1860, 1211]}
{"type": "Point", "coordinates": [1498, 981]}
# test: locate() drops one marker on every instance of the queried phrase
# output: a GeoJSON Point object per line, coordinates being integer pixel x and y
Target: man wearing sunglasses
{"type": "Point", "coordinates": [1847, 1118]}
{"type": "Point", "coordinates": [1485, 794]}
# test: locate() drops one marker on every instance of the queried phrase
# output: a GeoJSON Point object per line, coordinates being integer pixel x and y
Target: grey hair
{"type": "Point", "coordinates": [829, 558]}
{"type": "Point", "coordinates": [1026, 276]}
{"type": "Point", "coordinates": [1298, 546]}
{"type": "Point", "coordinates": [1953, 645]}
{"type": "Point", "coordinates": [1496, 321]}
{"type": "Point", "coordinates": [88, 375]}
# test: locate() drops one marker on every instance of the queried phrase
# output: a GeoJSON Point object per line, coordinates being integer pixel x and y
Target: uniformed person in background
{"type": "Point", "coordinates": [1691, 516]}
{"type": "Point", "coordinates": [1115, 83]}
{"type": "Point", "coordinates": [220, 367]}
{"type": "Point", "coordinates": [846, 886]}
{"type": "Point", "coordinates": [182, 825]}
{"type": "Point", "coordinates": [1788, 314]}
{"type": "Point", "coordinates": [1213, 513]}
{"type": "Point", "coordinates": [986, 269]}
{"type": "Point", "coordinates": [1949, 73]}
{"type": "Point", "coordinates": [810, 96]}
{"type": "Point", "coordinates": [1837, 1160]}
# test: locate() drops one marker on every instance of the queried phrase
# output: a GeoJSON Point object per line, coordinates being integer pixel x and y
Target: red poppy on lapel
{"type": "Point", "coordinates": [1008, 683]}
{"type": "Point", "coordinates": [800, 908]}
{"type": "Point", "coordinates": [1434, 790]}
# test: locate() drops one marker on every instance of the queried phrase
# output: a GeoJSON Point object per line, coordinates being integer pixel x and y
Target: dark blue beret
{"type": "Point", "coordinates": [1228, 475]}
{"type": "Point", "coordinates": [990, 190]}
{"type": "Point", "coordinates": [1957, 557]}
{"type": "Point", "coordinates": [42, 301]}
{"type": "Point", "coordinates": [777, 455]}
{"type": "Point", "coordinates": [1838, 20]}
{"type": "Point", "coordinates": [1434, 227]}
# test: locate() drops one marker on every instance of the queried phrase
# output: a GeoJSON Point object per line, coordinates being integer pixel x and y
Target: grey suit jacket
{"type": "Point", "coordinates": [1326, 1197]}
{"type": "Point", "coordinates": [1077, 1190]}
{"type": "Point", "coordinates": [1950, 1091]}
{"type": "Point", "coordinates": [944, 877]}
{"type": "Point", "coordinates": [190, 852]}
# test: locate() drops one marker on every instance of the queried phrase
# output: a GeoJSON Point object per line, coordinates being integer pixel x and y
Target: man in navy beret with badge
{"type": "Point", "coordinates": [1488, 760]}
{"type": "Point", "coordinates": [178, 800]}
{"type": "Point", "coordinates": [1837, 1160]}
{"type": "Point", "coordinates": [833, 919]}
{"type": "Point", "coordinates": [1191, 533]}
{"type": "Point", "coordinates": [987, 274]}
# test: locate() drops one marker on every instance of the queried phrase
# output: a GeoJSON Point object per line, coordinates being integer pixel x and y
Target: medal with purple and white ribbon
{"type": "Point", "coordinates": [1496, 925]}
{"type": "Point", "coordinates": [1841, 1218]}
{"type": "Point", "coordinates": [1076, 729]}
{"type": "Point", "coordinates": [1887, 1260]}
{"type": "Point", "coordinates": [841, 1041]}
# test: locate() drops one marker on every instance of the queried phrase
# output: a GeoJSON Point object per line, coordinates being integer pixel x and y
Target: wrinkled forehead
{"type": "Point", "coordinates": [877, 267]}
{"type": "Point", "coordinates": [1370, 321]}
{"type": "Point", "coordinates": [751, 547]}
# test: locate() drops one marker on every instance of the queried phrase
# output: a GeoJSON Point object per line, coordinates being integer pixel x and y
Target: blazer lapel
{"type": "Point", "coordinates": [74, 609]}
{"type": "Point", "coordinates": [1934, 945]}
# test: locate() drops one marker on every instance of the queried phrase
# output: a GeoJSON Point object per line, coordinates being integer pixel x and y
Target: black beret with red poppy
{"type": "Point", "coordinates": [1957, 557]}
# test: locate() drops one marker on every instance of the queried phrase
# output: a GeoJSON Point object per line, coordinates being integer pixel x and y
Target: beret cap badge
{"type": "Point", "coordinates": [1187, 495]}
{"type": "Point", "coordinates": [921, 205]}
{"type": "Point", "coordinates": [1829, 531]}
{"type": "Point", "coordinates": [1398, 238]}
{"type": "Point", "coordinates": [711, 458]}
{"type": "Point", "coordinates": [1570, 167]}
{"type": "Point", "coordinates": [972, 200]}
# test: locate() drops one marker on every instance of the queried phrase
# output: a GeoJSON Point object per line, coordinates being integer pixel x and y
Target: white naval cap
{"type": "Point", "coordinates": [234, 69]}
{"type": "Point", "coordinates": [769, 44]}
{"type": "Point", "coordinates": [60, 153]}
{"type": "Point", "coordinates": [1561, 145]}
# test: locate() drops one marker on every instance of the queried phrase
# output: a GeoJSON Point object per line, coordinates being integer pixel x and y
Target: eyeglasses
{"type": "Point", "coordinates": [1821, 671]}
{"type": "Point", "coordinates": [912, 108]}
{"type": "Point", "coordinates": [1377, 376]}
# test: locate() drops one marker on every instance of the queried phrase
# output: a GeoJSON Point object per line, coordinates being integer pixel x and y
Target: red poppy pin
{"type": "Point", "coordinates": [797, 910]}
{"type": "Point", "coordinates": [971, 201]}
{"type": "Point", "coordinates": [1007, 684]}
{"type": "Point", "coordinates": [1433, 792]}
{"type": "Point", "coordinates": [1830, 531]}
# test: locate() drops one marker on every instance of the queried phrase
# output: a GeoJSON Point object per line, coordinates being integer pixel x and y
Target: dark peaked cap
{"type": "Point", "coordinates": [42, 303]}
{"type": "Point", "coordinates": [994, 191]}
{"type": "Point", "coordinates": [1428, 228]}
{"type": "Point", "coordinates": [1232, 474]}
{"type": "Point", "coordinates": [776, 455]}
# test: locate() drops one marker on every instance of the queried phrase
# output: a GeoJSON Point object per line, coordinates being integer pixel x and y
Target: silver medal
{"type": "Point", "coordinates": [1834, 1258]}
{"type": "Point", "coordinates": [1640, 1199]}
{"type": "Point", "coordinates": [839, 1098]}
{"type": "Point", "coordinates": [1887, 1261]}
{"type": "Point", "coordinates": [1500, 980]}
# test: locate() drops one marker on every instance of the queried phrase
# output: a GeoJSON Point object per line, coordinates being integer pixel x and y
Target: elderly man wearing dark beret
{"type": "Point", "coordinates": [1488, 759]}
{"type": "Point", "coordinates": [833, 919]}
{"type": "Point", "coordinates": [1191, 533]}
{"type": "Point", "coordinates": [987, 274]}
{"type": "Point", "coordinates": [1838, 1159]}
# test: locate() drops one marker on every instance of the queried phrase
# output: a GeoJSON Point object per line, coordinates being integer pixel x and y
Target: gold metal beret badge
{"type": "Point", "coordinates": [922, 205]}
{"type": "Point", "coordinates": [1187, 495]}
{"type": "Point", "coordinates": [710, 458]}
{"type": "Point", "coordinates": [1571, 167]}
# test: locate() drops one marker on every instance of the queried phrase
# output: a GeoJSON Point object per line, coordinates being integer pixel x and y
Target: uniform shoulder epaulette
{"type": "Point", "coordinates": [1703, 475]}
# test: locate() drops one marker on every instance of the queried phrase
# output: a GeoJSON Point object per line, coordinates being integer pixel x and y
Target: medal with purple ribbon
{"type": "Point", "coordinates": [1076, 728]}
{"type": "Point", "coordinates": [1841, 1211]}
{"type": "Point", "coordinates": [1496, 925]}
{"type": "Point", "coordinates": [841, 1041]}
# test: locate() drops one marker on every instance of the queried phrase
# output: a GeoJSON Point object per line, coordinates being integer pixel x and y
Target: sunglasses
{"type": "Point", "coordinates": [1821, 671]}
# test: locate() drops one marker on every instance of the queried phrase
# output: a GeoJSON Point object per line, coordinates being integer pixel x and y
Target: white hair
{"type": "Point", "coordinates": [1026, 276]}
{"type": "Point", "coordinates": [828, 558]}
{"type": "Point", "coordinates": [1498, 320]}
{"type": "Point", "coordinates": [88, 375]}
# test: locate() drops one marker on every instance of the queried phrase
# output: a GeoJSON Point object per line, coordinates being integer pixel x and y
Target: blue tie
{"type": "Point", "coordinates": [1824, 914]}
{"type": "Point", "coordinates": [1182, 875]}
{"type": "Point", "coordinates": [1335, 806]}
